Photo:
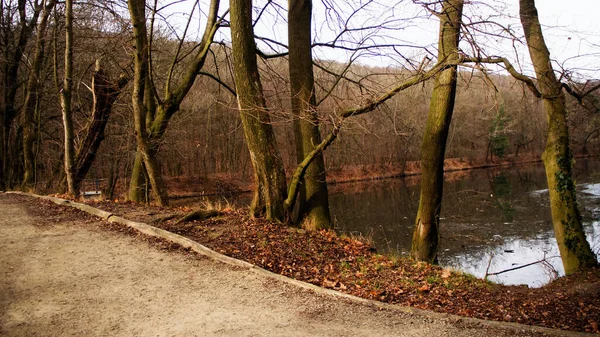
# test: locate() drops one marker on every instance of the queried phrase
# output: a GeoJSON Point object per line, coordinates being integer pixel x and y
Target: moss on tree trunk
{"type": "Point", "coordinates": [313, 200]}
{"type": "Point", "coordinates": [426, 233]}
{"type": "Point", "coordinates": [574, 249]}
{"type": "Point", "coordinates": [137, 182]}
{"type": "Point", "coordinates": [31, 104]}
{"type": "Point", "coordinates": [138, 19]}
{"type": "Point", "coordinates": [270, 184]}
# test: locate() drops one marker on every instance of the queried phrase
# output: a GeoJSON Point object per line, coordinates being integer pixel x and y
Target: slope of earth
{"type": "Point", "coordinates": [353, 267]}
{"type": "Point", "coordinates": [62, 273]}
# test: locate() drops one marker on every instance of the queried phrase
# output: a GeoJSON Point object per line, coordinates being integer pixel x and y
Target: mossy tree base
{"type": "Point", "coordinates": [426, 233]}
{"type": "Point", "coordinates": [574, 249]}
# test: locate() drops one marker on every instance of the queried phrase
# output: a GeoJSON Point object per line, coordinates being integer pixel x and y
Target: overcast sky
{"type": "Point", "coordinates": [571, 28]}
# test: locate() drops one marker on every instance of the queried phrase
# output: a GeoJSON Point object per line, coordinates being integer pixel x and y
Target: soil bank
{"type": "Point", "coordinates": [63, 275]}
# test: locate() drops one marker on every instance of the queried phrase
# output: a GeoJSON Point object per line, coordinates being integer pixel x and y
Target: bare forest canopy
{"type": "Point", "coordinates": [490, 122]}
{"type": "Point", "coordinates": [495, 115]}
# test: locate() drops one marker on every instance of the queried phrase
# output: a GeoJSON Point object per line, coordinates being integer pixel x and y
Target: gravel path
{"type": "Point", "coordinates": [73, 278]}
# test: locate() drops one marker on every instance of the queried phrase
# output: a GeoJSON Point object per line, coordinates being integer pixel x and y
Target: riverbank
{"type": "Point", "coordinates": [352, 266]}
{"type": "Point", "coordinates": [227, 185]}
{"type": "Point", "coordinates": [66, 273]}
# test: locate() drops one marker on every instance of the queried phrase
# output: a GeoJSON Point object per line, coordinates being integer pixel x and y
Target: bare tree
{"type": "Point", "coordinates": [426, 232]}
{"type": "Point", "coordinates": [15, 36]}
{"type": "Point", "coordinates": [575, 251]}
{"type": "Point", "coordinates": [160, 110]}
{"type": "Point", "coordinates": [65, 100]}
{"type": "Point", "coordinates": [32, 97]}
{"type": "Point", "coordinates": [105, 92]}
{"type": "Point", "coordinates": [137, 12]}
{"type": "Point", "coordinates": [313, 200]}
{"type": "Point", "coordinates": [269, 177]}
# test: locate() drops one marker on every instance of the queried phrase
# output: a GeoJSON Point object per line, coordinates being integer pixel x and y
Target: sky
{"type": "Point", "coordinates": [571, 29]}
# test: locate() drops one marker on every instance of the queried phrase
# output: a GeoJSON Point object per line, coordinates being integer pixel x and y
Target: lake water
{"type": "Point", "coordinates": [492, 219]}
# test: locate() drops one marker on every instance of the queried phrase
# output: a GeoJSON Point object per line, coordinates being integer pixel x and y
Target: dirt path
{"type": "Point", "coordinates": [72, 278]}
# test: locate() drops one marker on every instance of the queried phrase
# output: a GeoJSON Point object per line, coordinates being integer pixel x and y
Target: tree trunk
{"type": "Point", "coordinates": [137, 182]}
{"type": "Point", "coordinates": [3, 155]}
{"type": "Point", "coordinates": [575, 251]}
{"type": "Point", "coordinates": [111, 180]}
{"type": "Point", "coordinates": [269, 176]}
{"type": "Point", "coordinates": [11, 159]}
{"type": "Point", "coordinates": [313, 200]}
{"type": "Point", "coordinates": [159, 115]}
{"type": "Point", "coordinates": [31, 101]}
{"type": "Point", "coordinates": [138, 19]}
{"type": "Point", "coordinates": [426, 233]}
{"type": "Point", "coordinates": [105, 94]}
{"type": "Point", "coordinates": [65, 96]}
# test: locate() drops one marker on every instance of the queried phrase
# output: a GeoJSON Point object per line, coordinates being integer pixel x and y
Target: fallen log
{"type": "Point", "coordinates": [163, 218]}
{"type": "Point", "coordinates": [201, 214]}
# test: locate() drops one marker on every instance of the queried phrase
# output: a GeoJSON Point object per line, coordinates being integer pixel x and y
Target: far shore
{"type": "Point", "coordinates": [223, 184]}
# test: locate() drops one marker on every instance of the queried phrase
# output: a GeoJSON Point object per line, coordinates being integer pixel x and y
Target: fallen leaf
{"type": "Point", "coordinates": [329, 284]}
{"type": "Point", "coordinates": [446, 273]}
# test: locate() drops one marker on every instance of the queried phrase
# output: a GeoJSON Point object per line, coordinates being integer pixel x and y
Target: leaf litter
{"type": "Point", "coordinates": [352, 266]}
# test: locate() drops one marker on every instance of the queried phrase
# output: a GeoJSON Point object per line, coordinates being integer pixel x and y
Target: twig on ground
{"type": "Point", "coordinates": [542, 261]}
{"type": "Point", "coordinates": [488, 267]}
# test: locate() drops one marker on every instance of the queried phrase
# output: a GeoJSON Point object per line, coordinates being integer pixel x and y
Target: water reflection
{"type": "Point", "coordinates": [492, 220]}
{"type": "Point", "coordinates": [515, 252]}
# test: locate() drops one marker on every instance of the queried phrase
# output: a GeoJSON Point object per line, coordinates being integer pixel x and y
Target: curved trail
{"type": "Point", "coordinates": [73, 278]}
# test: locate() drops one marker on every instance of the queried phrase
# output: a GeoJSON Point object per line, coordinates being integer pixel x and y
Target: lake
{"type": "Point", "coordinates": [491, 220]}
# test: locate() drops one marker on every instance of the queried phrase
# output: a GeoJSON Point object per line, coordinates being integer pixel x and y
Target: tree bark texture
{"type": "Point", "coordinates": [313, 200]}
{"type": "Point", "coordinates": [270, 184]}
{"type": "Point", "coordinates": [574, 249]}
{"type": "Point", "coordinates": [138, 181]}
{"type": "Point", "coordinates": [65, 100]}
{"type": "Point", "coordinates": [426, 233]}
{"type": "Point", "coordinates": [139, 184]}
{"type": "Point", "coordinates": [30, 106]}
{"type": "Point", "coordinates": [105, 93]}
{"type": "Point", "coordinates": [138, 19]}
{"type": "Point", "coordinates": [10, 156]}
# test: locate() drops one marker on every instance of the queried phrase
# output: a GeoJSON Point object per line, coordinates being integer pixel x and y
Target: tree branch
{"type": "Point", "coordinates": [218, 80]}
{"type": "Point", "coordinates": [440, 66]}
{"type": "Point", "coordinates": [265, 56]}
{"type": "Point", "coordinates": [509, 67]}
{"type": "Point", "coordinates": [544, 260]}
{"type": "Point", "coordinates": [579, 96]}
{"type": "Point", "coordinates": [301, 168]}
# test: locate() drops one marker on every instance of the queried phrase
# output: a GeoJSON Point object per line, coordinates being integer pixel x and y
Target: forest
{"type": "Point", "coordinates": [162, 99]}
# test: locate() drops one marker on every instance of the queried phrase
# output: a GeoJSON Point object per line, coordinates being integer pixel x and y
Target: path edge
{"type": "Point", "coordinates": [205, 251]}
